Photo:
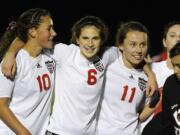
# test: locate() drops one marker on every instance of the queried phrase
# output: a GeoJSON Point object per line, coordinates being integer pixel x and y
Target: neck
{"type": "Point", "coordinates": [33, 49]}
{"type": "Point", "coordinates": [168, 62]}
{"type": "Point", "coordinates": [126, 63]}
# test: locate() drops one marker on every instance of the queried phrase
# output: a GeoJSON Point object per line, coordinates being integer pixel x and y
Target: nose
{"type": "Point", "coordinates": [90, 43]}
{"type": "Point", "coordinates": [139, 49]}
{"type": "Point", "coordinates": [53, 33]}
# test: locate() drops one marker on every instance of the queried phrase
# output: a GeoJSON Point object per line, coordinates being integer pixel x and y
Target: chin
{"type": "Point", "coordinates": [89, 56]}
{"type": "Point", "coordinates": [49, 47]}
{"type": "Point", "coordinates": [138, 61]}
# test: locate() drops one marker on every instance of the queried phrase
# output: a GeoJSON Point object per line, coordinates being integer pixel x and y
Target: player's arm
{"type": "Point", "coordinates": [7, 116]}
{"type": "Point", "coordinates": [152, 82]}
{"type": "Point", "coordinates": [8, 64]}
{"type": "Point", "coordinates": [146, 112]}
{"type": "Point", "coordinates": [150, 104]}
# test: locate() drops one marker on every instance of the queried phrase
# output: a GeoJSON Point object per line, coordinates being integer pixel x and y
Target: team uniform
{"type": "Point", "coordinates": [152, 124]}
{"type": "Point", "coordinates": [171, 106]}
{"type": "Point", "coordinates": [30, 92]}
{"type": "Point", "coordinates": [124, 96]}
{"type": "Point", "coordinates": [78, 89]}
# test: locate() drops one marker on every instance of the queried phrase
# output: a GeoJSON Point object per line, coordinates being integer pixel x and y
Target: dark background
{"type": "Point", "coordinates": [153, 14]}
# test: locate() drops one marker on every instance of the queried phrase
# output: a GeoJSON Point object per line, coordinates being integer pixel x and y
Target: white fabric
{"type": "Point", "coordinates": [30, 105]}
{"type": "Point", "coordinates": [119, 116]}
{"type": "Point", "coordinates": [162, 72]}
{"type": "Point", "coordinates": [76, 101]}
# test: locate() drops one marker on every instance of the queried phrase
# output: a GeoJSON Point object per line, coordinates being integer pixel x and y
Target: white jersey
{"type": "Point", "coordinates": [162, 72]}
{"type": "Point", "coordinates": [78, 89]}
{"type": "Point", "coordinates": [123, 97]}
{"type": "Point", "coordinates": [30, 92]}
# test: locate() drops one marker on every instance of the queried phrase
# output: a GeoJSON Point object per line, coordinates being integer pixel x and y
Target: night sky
{"type": "Point", "coordinates": [66, 12]}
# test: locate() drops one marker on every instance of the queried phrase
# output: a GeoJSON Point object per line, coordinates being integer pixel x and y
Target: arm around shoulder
{"type": "Point", "coordinates": [8, 64]}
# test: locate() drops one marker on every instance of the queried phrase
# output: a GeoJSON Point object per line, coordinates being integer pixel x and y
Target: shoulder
{"type": "Point", "coordinates": [171, 78]}
{"type": "Point", "coordinates": [157, 65]}
{"type": "Point", "coordinates": [64, 46]}
{"type": "Point", "coordinates": [170, 83]}
{"type": "Point", "coordinates": [111, 50]}
{"type": "Point", "coordinates": [63, 49]}
{"type": "Point", "coordinates": [110, 54]}
{"type": "Point", "coordinates": [22, 57]}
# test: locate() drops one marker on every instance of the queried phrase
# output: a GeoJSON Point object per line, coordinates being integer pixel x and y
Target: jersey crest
{"type": "Point", "coordinates": [50, 66]}
{"type": "Point", "coordinates": [142, 84]}
{"type": "Point", "coordinates": [98, 64]}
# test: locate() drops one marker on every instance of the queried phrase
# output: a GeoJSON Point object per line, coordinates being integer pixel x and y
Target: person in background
{"type": "Point", "coordinates": [162, 70]}
{"type": "Point", "coordinates": [170, 99]}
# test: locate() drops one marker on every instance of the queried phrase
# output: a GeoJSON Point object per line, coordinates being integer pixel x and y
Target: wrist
{"type": "Point", "coordinates": [151, 74]}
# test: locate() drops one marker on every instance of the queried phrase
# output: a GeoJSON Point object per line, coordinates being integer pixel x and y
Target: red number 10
{"type": "Point", "coordinates": [44, 82]}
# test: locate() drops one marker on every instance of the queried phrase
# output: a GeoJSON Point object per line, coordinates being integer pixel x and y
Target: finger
{"type": "Point", "coordinates": [13, 70]}
{"type": "Point", "coordinates": [147, 92]}
{"type": "Point", "coordinates": [6, 72]}
{"type": "Point", "coordinates": [148, 59]}
{"type": "Point", "coordinates": [151, 93]}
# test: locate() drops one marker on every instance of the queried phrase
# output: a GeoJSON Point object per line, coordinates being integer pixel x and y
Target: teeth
{"type": "Point", "coordinates": [137, 57]}
{"type": "Point", "coordinates": [89, 49]}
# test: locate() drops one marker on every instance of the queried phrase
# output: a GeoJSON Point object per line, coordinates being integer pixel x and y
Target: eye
{"type": "Point", "coordinates": [96, 38]}
{"type": "Point", "coordinates": [178, 65]}
{"type": "Point", "coordinates": [172, 35]}
{"type": "Point", "coordinates": [143, 45]}
{"type": "Point", "coordinates": [49, 28]}
{"type": "Point", "coordinates": [132, 44]}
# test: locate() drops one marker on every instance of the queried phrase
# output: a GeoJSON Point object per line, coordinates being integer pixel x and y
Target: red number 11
{"type": "Point", "coordinates": [133, 90]}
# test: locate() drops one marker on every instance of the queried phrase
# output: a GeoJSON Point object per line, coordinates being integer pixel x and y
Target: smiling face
{"type": "Point", "coordinates": [134, 48]}
{"type": "Point", "coordinates": [89, 41]}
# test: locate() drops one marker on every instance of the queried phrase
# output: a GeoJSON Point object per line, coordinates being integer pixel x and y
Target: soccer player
{"type": "Point", "coordinates": [80, 78]}
{"type": "Point", "coordinates": [123, 103]}
{"type": "Point", "coordinates": [25, 101]}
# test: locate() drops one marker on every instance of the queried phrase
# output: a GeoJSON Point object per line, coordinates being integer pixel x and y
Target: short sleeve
{"type": "Point", "coordinates": [111, 54]}
{"type": "Point", "coordinates": [6, 86]}
{"type": "Point", "coordinates": [61, 52]}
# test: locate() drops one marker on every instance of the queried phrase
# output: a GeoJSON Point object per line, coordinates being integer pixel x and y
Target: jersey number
{"type": "Point", "coordinates": [92, 77]}
{"type": "Point", "coordinates": [44, 82]}
{"type": "Point", "coordinates": [133, 90]}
